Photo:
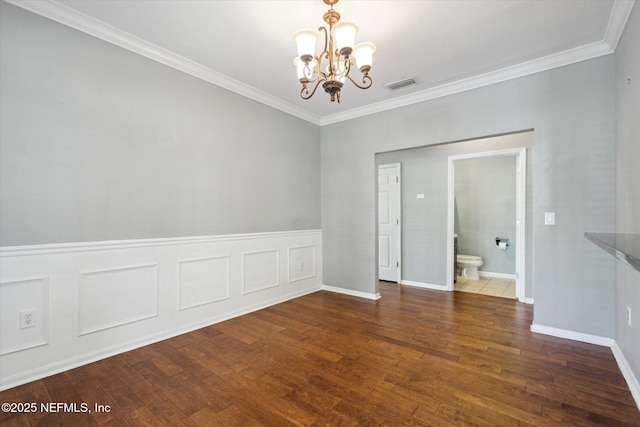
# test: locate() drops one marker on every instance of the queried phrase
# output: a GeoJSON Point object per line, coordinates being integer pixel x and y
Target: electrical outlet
{"type": "Point", "coordinates": [27, 319]}
{"type": "Point", "coordinates": [301, 265]}
{"type": "Point", "coordinates": [628, 315]}
{"type": "Point", "coordinates": [549, 218]}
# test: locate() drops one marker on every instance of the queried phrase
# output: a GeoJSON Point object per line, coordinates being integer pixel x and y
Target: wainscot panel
{"type": "Point", "coordinates": [88, 301]}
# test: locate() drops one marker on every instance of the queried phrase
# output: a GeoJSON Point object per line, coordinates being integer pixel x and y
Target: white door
{"type": "Point", "coordinates": [389, 222]}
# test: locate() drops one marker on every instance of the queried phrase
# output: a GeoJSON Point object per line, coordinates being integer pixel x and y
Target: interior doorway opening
{"type": "Point", "coordinates": [426, 248]}
{"type": "Point", "coordinates": [508, 253]}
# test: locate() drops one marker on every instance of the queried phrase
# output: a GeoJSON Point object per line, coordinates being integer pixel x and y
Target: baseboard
{"type": "Point", "coordinates": [351, 292]}
{"type": "Point", "coordinates": [623, 365]}
{"type": "Point", "coordinates": [526, 300]}
{"type": "Point", "coordinates": [84, 359]}
{"type": "Point", "coordinates": [496, 275]}
{"type": "Point", "coordinates": [114, 296]}
{"type": "Point", "coordinates": [572, 335]}
{"type": "Point", "coordinates": [627, 373]}
{"type": "Point", "coordinates": [424, 285]}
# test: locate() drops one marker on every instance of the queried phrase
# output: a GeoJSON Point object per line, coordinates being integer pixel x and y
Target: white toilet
{"type": "Point", "coordinates": [469, 264]}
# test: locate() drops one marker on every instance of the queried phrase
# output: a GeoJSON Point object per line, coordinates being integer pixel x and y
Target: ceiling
{"type": "Point", "coordinates": [447, 46]}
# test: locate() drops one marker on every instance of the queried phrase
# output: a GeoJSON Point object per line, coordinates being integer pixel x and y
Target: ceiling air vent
{"type": "Point", "coordinates": [401, 83]}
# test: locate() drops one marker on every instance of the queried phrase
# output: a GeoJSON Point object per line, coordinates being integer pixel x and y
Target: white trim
{"type": "Point", "coordinates": [399, 207]}
{"type": "Point", "coordinates": [526, 300]}
{"type": "Point", "coordinates": [120, 322]}
{"type": "Point", "coordinates": [572, 335]}
{"type": "Point", "coordinates": [351, 292]}
{"type": "Point", "coordinates": [425, 285]}
{"type": "Point", "coordinates": [72, 18]}
{"type": "Point", "coordinates": [44, 314]}
{"type": "Point", "coordinates": [521, 223]}
{"type": "Point", "coordinates": [181, 262]}
{"type": "Point", "coordinates": [623, 364]}
{"type": "Point", "coordinates": [617, 21]}
{"type": "Point", "coordinates": [627, 373]}
{"type": "Point", "coordinates": [74, 362]}
{"type": "Point", "coordinates": [54, 248]}
{"type": "Point", "coordinates": [496, 275]}
{"type": "Point", "coordinates": [65, 264]}
{"type": "Point", "coordinates": [82, 22]}
{"type": "Point", "coordinates": [556, 60]}
{"type": "Point", "coordinates": [244, 270]}
{"type": "Point", "coordinates": [308, 276]}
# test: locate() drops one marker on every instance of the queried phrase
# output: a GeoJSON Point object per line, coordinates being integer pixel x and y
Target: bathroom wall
{"type": "Point", "coordinates": [485, 200]}
{"type": "Point", "coordinates": [424, 221]}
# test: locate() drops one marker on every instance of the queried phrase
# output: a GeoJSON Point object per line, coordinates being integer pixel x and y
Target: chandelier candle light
{"type": "Point", "coordinates": [338, 49]}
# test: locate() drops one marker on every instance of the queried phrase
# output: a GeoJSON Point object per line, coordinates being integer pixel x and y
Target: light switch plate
{"type": "Point", "coordinates": [549, 218]}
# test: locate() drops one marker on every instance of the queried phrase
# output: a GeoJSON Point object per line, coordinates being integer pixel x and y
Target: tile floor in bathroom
{"type": "Point", "coordinates": [505, 288]}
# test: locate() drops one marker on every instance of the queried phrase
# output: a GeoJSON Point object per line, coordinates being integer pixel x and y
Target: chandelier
{"type": "Point", "coordinates": [338, 50]}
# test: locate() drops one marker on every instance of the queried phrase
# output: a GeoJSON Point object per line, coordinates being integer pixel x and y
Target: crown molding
{"type": "Point", "coordinates": [86, 24]}
{"type": "Point", "coordinates": [617, 21]}
{"type": "Point", "coordinates": [523, 69]}
{"type": "Point", "coordinates": [81, 22]}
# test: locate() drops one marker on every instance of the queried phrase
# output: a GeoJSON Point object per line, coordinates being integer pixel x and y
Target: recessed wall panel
{"type": "Point", "coordinates": [302, 263]}
{"type": "Point", "coordinates": [260, 271]}
{"type": "Point", "coordinates": [28, 295]}
{"type": "Point", "coordinates": [115, 297]}
{"type": "Point", "coordinates": [203, 281]}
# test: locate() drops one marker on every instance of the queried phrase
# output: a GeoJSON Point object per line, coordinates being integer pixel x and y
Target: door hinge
{"type": "Point", "coordinates": [397, 221]}
{"type": "Point", "coordinates": [397, 180]}
{"type": "Point", "coordinates": [397, 263]}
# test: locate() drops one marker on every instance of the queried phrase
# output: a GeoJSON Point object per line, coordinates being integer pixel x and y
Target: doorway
{"type": "Point", "coordinates": [516, 244]}
{"type": "Point", "coordinates": [389, 222]}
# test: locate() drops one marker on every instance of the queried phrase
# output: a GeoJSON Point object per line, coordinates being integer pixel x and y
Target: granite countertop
{"type": "Point", "coordinates": [625, 247]}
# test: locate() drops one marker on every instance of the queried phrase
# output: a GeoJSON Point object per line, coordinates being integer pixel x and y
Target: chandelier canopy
{"type": "Point", "coordinates": [338, 51]}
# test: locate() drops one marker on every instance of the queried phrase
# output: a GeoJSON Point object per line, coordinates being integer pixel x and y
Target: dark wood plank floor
{"type": "Point", "coordinates": [415, 357]}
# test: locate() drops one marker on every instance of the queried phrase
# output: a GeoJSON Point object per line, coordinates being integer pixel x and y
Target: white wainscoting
{"type": "Point", "coordinates": [203, 281]}
{"type": "Point", "coordinates": [23, 295]}
{"type": "Point", "coordinates": [260, 270]}
{"type": "Point", "coordinates": [114, 297]}
{"type": "Point", "coordinates": [94, 300]}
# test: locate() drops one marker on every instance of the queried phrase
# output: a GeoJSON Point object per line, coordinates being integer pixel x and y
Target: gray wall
{"type": "Point", "coordinates": [424, 221]}
{"type": "Point", "coordinates": [485, 208]}
{"type": "Point", "coordinates": [628, 184]}
{"type": "Point", "coordinates": [98, 143]}
{"type": "Point", "coordinates": [571, 110]}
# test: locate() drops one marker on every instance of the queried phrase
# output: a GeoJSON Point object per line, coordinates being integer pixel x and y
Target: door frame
{"type": "Point", "coordinates": [398, 167]}
{"type": "Point", "coordinates": [521, 224]}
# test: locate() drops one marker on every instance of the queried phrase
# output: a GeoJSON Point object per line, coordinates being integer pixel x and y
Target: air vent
{"type": "Point", "coordinates": [401, 83]}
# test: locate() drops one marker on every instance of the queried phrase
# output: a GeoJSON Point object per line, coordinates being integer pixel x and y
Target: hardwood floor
{"type": "Point", "coordinates": [414, 357]}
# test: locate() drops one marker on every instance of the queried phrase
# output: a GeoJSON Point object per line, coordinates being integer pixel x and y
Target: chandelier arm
{"type": "Point", "coordinates": [314, 74]}
{"type": "Point", "coordinates": [304, 93]}
{"type": "Point", "coordinates": [365, 79]}
{"type": "Point", "coordinates": [323, 54]}
{"type": "Point", "coordinates": [326, 38]}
